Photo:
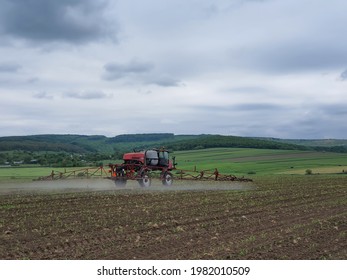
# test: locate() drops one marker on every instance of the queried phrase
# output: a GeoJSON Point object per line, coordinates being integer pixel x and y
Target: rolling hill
{"type": "Point", "coordinates": [101, 144]}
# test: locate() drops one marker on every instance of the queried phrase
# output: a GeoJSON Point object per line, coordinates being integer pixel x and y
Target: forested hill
{"type": "Point", "coordinates": [56, 143]}
{"type": "Point", "coordinates": [329, 145]}
{"type": "Point", "coordinates": [126, 142]}
{"type": "Point", "coordinates": [84, 144]}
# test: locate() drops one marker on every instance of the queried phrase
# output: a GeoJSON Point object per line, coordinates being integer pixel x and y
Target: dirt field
{"type": "Point", "coordinates": [283, 217]}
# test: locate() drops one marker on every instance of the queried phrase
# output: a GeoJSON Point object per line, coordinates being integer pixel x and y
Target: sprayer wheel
{"type": "Point", "coordinates": [167, 179]}
{"type": "Point", "coordinates": [120, 182]}
{"type": "Point", "coordinates": [145, 180]}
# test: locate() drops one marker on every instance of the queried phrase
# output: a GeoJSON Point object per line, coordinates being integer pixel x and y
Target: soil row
{"type": "Point", "coordinates": [283, 218]}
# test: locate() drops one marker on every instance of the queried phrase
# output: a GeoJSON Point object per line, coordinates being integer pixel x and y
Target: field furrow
{"type": "Point", "coordinates": [283, 217]}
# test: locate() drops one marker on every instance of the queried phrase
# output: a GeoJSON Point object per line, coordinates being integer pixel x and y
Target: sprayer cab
{"type": "Point", "coordinates": [151, 158]}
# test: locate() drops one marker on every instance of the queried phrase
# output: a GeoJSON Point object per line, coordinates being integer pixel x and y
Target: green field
{"type": "Point", "coordinates": [241, 161]}
{"type": "Point", "coordinates": [237, 161]}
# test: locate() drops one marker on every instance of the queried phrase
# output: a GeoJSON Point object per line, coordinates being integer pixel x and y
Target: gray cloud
{"type": "Point", "coordinates": [243, 107]}
{"type": "Point", "coordinates": [9, 67]}
{"type": "Point", "coordinates": [115, 71]}
{"type": "Point", "coordinates": [285, 37]}
{"type": "Point", "coordinates": [258, 107]}
{"type": "Point", "coordinates": [316, 120]}
{"type": "Point", "coordinates": [86, 95]}
{"type": "Point", "coordinates": [43, 95]}
{"type": "Point", "coordinates": [247, 90]}
{"type": "Point", "coordinates": [334, 110]}
{"type": "Point", "coordinates": [142, 72]}
{"type": "Point", "coordinates": [32, 80]}
{"type": "Point", "coordinates": [290, 58]}
{"type": "Point", "coordinates": [313, 128]}
{"type": "Point", "coordinates": [164, 81]}
{"type": "Point", "coordinates": [343, 75]}
{"type": "Point", "coordinates": [73, 21]}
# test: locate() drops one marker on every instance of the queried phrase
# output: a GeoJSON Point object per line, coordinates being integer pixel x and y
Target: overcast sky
{"type": "Point", "coordinates": [274, 68]}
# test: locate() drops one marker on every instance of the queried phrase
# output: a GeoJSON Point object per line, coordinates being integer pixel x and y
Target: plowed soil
{"type": "Point", "coordinates": [283, 217]}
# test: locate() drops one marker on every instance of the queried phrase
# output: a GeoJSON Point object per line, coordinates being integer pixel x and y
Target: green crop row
{"type": "Point", "coordinates": [240, 161]}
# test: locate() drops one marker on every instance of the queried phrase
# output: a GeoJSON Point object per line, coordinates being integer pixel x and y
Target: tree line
{"type": "Point", "coordinates": [52, 159]}
{"type": "Point", "coordinates": [219, 141]}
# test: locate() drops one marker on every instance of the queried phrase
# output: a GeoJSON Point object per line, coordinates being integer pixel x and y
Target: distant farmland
{"type": "Point", "coordinates": [237, 161]}
{"type": "Point", "coordinates": [242, 161]}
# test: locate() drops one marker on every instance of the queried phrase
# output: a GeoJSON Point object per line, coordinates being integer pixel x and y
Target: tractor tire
{"type": "Point", "coordinates": [145, 180]}
{"type": "Point", "coordinates": [167, 179]}
{"type": "Point", "coordinates": [120, 182]}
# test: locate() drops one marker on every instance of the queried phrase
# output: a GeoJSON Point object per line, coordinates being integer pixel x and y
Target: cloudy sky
{"type": "Point", "coordinates": [274, 68]}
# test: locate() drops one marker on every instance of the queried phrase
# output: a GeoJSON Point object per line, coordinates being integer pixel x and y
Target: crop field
{"type": "Point", "coordinates": [237, 161]}
{"type": "Point", "coordinates": [284, 217]}
{"type": "Point", "coordinates": [278, 216]}
{"type": "Point", "coordinates": [241, 161]}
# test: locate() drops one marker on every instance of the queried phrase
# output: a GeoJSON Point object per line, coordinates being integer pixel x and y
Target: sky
{"type": "Point", "coordinates": [270, 68]}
